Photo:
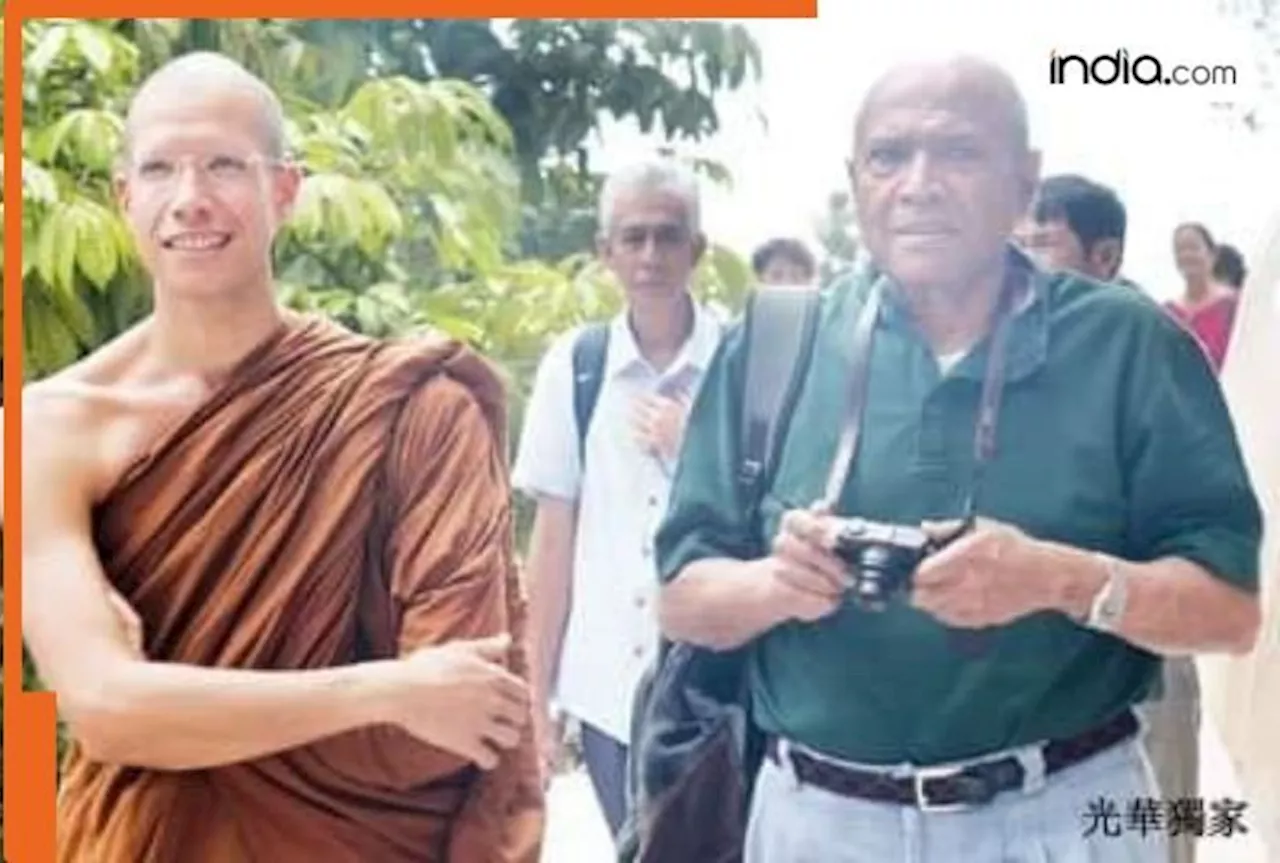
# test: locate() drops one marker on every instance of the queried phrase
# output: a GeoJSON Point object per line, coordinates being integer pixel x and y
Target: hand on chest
{"type": "Point", "coordinates": [645, 416]}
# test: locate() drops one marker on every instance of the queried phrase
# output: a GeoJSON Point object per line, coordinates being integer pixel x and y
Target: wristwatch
{"type": "Point", "coordinates": [1109, 605]}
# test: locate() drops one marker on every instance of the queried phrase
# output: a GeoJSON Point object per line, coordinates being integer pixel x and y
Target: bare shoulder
{"type": "Point", "coordinates": [54, 463]}
{"type": "Point", "coordinates": [69, 403]}
{"type": "Point", "coordinates": [66, 416]}
{"type": "Point", "coordinates": [61, 419]}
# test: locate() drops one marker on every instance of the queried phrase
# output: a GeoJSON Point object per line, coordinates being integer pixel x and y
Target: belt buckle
{"type": "Point", "coordinates": [922, 801]}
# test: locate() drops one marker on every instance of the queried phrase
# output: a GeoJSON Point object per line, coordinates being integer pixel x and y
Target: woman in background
{"type": "Point", "coordinates": [1207, 306]}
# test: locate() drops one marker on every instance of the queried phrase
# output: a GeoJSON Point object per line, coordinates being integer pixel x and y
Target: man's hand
{"type": "Point", "coordinates": [460, 696]}
{"type": "Point", "coordinates": [985, 578]}
{"type": "Point", "coordinates": [809, 578]}
{"type": "Point", "coordinates": [659, 424]}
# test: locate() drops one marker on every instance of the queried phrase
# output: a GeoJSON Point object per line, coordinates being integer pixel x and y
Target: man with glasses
{"type": "Point", "coordinates": [266, 562]}
{"type": "Point", "coordinates": [601, 490]}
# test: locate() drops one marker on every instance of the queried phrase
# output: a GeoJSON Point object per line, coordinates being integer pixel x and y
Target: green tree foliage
{"type": "Point", "coordinates": [837, 234]}
{"type": "Point", "coordinates": [412, 212]}
{"type": "Point", "coordinates": [554, 79]}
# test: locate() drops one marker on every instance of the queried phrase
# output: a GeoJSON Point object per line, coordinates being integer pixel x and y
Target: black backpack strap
{"type": "Point", "coordinates": [779, 326]}
{"type": "Point", "coordinates": [589, 351]}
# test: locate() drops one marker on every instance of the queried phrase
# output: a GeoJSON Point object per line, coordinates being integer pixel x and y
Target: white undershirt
{"type": "Point", "coordinates": [947, 362]}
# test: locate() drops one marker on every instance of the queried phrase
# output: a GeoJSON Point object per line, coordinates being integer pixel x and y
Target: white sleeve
{"type": "Point", "coordinates": [547, 462]}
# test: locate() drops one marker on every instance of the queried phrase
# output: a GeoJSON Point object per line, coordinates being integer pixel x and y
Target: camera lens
{"type": "Point", "coordinates": [868, 592]}
{"type": "Point", "coordinates": [875, 557]}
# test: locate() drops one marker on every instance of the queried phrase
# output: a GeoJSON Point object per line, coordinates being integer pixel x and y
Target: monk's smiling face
{"type": "Point", "coordinates": [203, 183]}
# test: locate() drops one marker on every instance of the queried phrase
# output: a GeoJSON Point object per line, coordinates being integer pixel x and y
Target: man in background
{"type": "Point", "coordinates": [590, 567]}
{"type": "Point", "coordinates": [1076, 224]}
{"type": "Point", "coordinates": [1079, 225]}
{"type": "Point", "coordinates": [784, 261]}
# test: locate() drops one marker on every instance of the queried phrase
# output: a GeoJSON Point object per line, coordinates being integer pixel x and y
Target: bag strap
{"type": "Point", "coordinates": [984, 444]}
{"type": "Point", "coordinates": [779, 326]}
{"type": "Point", "coordinates": [859, 376]}
{"type": "Point", "coordinates": [589, 351]}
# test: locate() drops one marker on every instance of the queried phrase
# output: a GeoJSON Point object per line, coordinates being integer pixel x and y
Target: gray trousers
{"type": "Point", "coordinates": [1173, 743]}
{"type": "Point", "coordinates": [1075, 816]}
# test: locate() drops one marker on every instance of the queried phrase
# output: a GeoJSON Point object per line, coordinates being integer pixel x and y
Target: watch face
{"type": "Point", "coordinates": [1105, 609]}
{"type": "Point", "coordinates": [1112, 606]}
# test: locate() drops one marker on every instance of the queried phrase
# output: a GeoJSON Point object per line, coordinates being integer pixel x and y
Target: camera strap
{"type": "Point", "coordinates": [984, 440]}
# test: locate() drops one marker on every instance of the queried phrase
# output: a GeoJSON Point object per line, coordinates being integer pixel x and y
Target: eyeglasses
{"type": "Point", "coordinates": [222, 171]}
{"type": "Point", "coordinates": [636, 237]}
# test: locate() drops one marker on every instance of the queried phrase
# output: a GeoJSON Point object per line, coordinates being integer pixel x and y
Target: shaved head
{"type": "Point", "coordinates": [964, 84]}
{"type": "Point", "coordinates": [204, 179]}
{"type": "Point", "coordinates": [206, 75]}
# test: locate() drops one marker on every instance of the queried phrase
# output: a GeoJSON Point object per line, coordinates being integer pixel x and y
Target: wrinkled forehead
{"type": "Point", "coordinates": [922, 124]}
{"type": "Point", "coordinates": [201, 118]}
{"type": "Point", "coordinates": [946, 102]}
{"type": "Point", "coordinates": [649, 209]}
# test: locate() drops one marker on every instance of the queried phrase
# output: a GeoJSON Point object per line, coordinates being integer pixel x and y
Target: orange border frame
{"type": "Point", "coordinates": [29, 718]}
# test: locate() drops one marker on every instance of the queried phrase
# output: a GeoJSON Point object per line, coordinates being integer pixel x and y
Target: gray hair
{"type": "Point", "coordinates": [661, 175]}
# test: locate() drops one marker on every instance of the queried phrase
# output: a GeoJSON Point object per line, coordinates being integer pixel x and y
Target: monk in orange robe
{"type": "Point", "coordinates": [267, 563]}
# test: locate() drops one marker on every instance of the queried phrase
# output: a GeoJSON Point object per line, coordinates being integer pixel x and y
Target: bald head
{"type": "Point", "coordinates": [962, 84]}
{"type": "Point", "coordinates": [942, 170]}
{"type": "Point", "coordinates": [206, 76]}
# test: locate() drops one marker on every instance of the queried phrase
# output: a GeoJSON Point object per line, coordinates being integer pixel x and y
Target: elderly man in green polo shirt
{"type": "Point", "coordinates": [984, 712]}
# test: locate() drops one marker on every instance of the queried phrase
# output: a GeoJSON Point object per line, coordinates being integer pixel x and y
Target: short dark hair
{"type": "Point", "coordinates": [787, 249]}
{"type": "Point", "coordinates": [1228, 266]}
{"type": "Point", "coordinates": [1091, 210]}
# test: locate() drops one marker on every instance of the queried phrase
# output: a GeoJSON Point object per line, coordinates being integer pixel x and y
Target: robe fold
{"type": "Point", "coordinates": [340, 499]}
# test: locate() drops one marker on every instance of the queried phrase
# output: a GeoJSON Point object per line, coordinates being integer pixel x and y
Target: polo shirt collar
{"type": "Point", "coordinates": [1028, 341]}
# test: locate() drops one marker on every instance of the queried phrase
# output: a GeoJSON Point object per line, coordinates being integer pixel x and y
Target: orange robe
{"type": "Point", "coordinates": [340, 499]}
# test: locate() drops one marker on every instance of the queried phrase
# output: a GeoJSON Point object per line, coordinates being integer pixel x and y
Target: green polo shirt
{"type": "Point", "coordinates": [1113, 435]}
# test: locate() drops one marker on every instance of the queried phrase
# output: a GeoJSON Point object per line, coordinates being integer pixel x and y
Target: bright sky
{"type": "Point", "coordinates": [1168, 153]}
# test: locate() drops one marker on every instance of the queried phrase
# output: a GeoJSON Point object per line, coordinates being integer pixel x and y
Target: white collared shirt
{"type": "Point", "coordinates": [612, 632]}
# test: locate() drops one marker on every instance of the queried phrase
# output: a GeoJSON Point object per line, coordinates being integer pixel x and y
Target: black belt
{"type": "Point", "coordinates": [954, 787]}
